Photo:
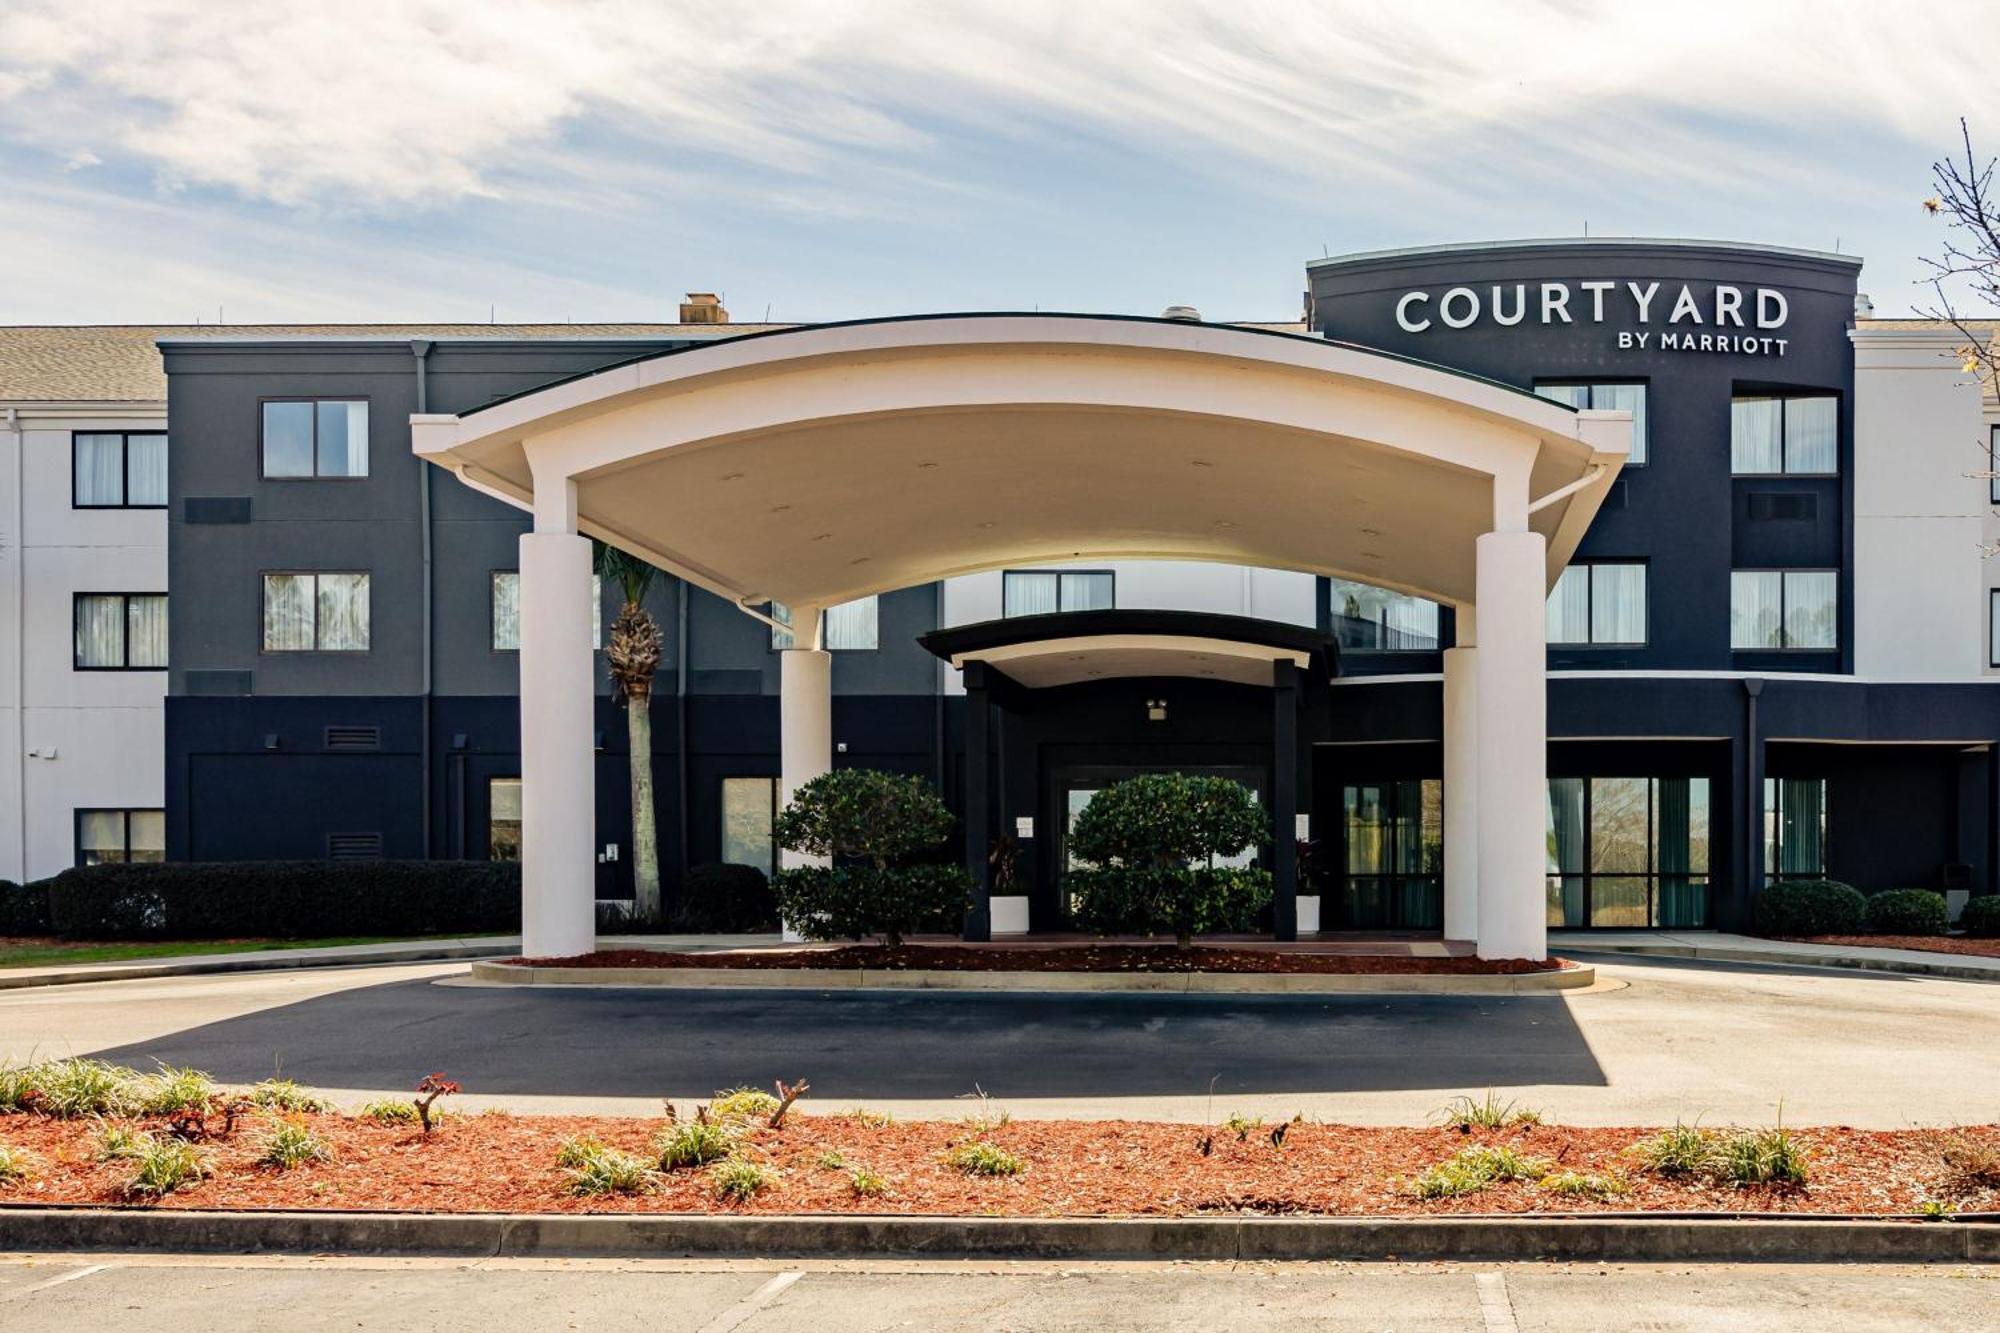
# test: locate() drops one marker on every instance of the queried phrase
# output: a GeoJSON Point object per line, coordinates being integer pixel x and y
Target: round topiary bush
{"type": "Point", "coordinates": [1151, 844]}
{"type": "Point", "coordinates": [1981, 917]}
{"type": "Point", "coordinates": [883, 821]}
{"type": "Point", "coordinates": [1908, 912]}
{"type": "Point", "coordinates": [723, 897]}
{"type": "Point", "coordinates": [1810, 907]}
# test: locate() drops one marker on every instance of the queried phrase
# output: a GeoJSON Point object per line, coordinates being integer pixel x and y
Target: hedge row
{"type": "Point", "coordinates": [285, 899]}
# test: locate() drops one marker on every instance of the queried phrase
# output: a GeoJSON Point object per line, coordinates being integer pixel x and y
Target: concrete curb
{"type": "Point", "coordinates": [1774, 957]}
{"type": "Point", "coordinates": [1578, 1238]}
{"type": "Point", "coordinates": [1176, 983]}
{"type": "Point", "coordinates": [270, 960]}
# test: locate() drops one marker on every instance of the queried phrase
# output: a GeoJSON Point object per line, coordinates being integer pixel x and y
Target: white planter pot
{"type": "Point", "coordinates": [1010, 915]}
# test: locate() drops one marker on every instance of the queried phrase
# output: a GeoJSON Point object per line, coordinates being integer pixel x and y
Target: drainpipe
{"type": "Point", "coordinates": [420, 348]}
{"type": "Point", "coordinates": [1752, 804]}
{"type": "Point", "coordinates": [20, 637]}
{"type": "Point", "coordinates": [685, 590]}
{"type": "Point", "coordinates": [937, 689]}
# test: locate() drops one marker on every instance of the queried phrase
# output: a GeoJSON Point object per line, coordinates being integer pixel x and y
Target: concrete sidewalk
{"type": "Point", "coordinates": [1719, 947]}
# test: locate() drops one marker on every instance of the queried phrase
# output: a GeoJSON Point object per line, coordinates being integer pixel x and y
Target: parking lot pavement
{"type": "Point", "coordinates": [111, 1294]}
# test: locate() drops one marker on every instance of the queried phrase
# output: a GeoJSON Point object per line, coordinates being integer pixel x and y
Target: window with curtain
{"type": "Point", "coordinates": [116, 837]}
{"type": "Point", "coordinates": [503, 819]}
{"type": "Point", "coordinates": [1778, 609]}
{"type": "Point", "coordinates": [1993, 464]}
{"type": "Point", "coordinates": [1371, 619]}
{"type": "Point", "coordinates": [1628, 852]}
{"type": "Point", "coordinates": [506, 600]}
{"type": "Point", "coordinates": [1394, 861]}
{"type": "Point", "coordinates": [316, 437]}
{"type": "Point", "coordinates": [1609, 398]}
{"type": "Point", "coordinates": [849, 627]}
{"type": "Point", "coordinates": [118, 470]}
{"type": "Point", "coordinates": [1773, 436]}
{"type": "Point", "coordinates": [121, 631]}
{"type": "Point", "coordinates": [1794, 828]}
{"type": "Point", "coordinates": [318, 612]}
{"type": "Point", "coordinates": [1038, 592]}
{"type": "Point", "coordinates": [749, 807]}
{"type": "Point", "coordinates": [1598, 604]}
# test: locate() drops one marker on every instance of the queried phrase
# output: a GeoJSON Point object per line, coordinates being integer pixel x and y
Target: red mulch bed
{"type": "Point", "coordinates": [497, 1162]}
{"type": "Point", "coordinates": [1959, 944]}
{"type": "Point", "coordinates": [1081, 958]}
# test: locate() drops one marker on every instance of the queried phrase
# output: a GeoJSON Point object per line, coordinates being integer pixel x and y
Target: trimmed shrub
{"type": "Point", "coordinates": [1151, 844]}
{"type": "Point", "coordinates": [864, 814]}
{"type": "Point", "coordinates": [1981, 916]}
{"type": "Point", "coordinates": [887, 823]}
{"type": "Point", "coordinates": [1908, 912]}
{"type": "Point", "coordinates": [1810, 907]}
{"type": "Point", "coordinates": [24, 908]}
{"type": "Point", "coordinates": [855, 902]}
{"type": "Point", "coordinates": [285, 899]}
{"type": "Point", "coordinates": [727, 899]}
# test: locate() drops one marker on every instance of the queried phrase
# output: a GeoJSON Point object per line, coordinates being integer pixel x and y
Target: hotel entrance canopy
{"type": "Point", "coordinates": [816, 465]}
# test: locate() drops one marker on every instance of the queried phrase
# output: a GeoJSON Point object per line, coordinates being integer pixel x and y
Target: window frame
{"type": "Point", "coordinates": [125, 619]}
{"type": "Point", "coordinates": [1771, 817]}
{"type": "Point", "coordinates": [520, 824]}
{"type": "Point", "coordinates": [1784, 608]}
{"type": "Point", "coordinates": [124, 468]}
{"type": "Point", "coordinates": [264, 606]}
{"type": "Point", "coordinates": [1645, 386]}
{"type": "Point", "coordinates": [1993, 627]}
{"type": "Point", "coordinates": [492, 587]}
{"type": "Point", "coordinates": [1060, 610]}
{"type": "Point", "coordinates": [722, 782]}
{"type": "Point", "coordinates": [315, 475]}
{"type": "Point", "coordinates": [1784, 470]}
{"type": "Point", "coordinates": [1590, 604]}
{"type": "Point", "coordinates": [772, 645]}
{"type": "Point", "coordinates": [1653, 875]}
{"type": "Point", "coordinates": [1334, 617]}
{"type": "Point", "coordinates": [1993, 463]}
{"type": "Point", "coordinates": [125, 813]}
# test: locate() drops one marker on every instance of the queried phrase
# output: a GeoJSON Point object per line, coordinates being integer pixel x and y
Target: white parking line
{"type": "Point", "coordinates": [55, 1281]}
{"type": "Point", "coordinates": [1496, 1308]}
{"type": "Point", "coordinates": [752, 1303]}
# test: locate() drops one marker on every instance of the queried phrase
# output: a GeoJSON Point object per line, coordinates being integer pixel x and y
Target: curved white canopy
{"type": "Point", "coordinates": [819, 464]}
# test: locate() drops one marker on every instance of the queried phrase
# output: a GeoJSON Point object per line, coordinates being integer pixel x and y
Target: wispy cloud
{"type": "Point", "coordinates": [363, 118]}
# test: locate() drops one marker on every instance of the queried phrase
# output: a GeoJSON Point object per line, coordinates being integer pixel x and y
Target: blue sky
{"type": "Point", "coordinates": [298, 160]}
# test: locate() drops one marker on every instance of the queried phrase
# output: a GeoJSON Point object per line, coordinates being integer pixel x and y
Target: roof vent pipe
{"type": "Point", "coordinates": [1182, 312]}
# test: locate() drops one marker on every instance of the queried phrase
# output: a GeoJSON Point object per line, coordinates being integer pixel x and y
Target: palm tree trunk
{"type": "Point", "coordinates": [645, 822]}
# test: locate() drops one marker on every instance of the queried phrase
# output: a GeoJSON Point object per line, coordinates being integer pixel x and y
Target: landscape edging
{"type": "Point", "coordinates": [1854, 962]}
{"type": "Point", "coordinates": [1197, 983]}
{"type": "Point", "coordinates": [38, 1229]}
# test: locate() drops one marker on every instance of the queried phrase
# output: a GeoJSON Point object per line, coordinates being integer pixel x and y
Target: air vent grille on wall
{"type": "Point", "coordinates": [354, 846]}
{"type": "Point", "coordinates": [354, 738]}
{"type": "Point", "coordinates": [1795, 506]}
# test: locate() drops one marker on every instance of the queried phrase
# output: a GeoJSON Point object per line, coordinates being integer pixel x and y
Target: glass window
{"type": "Point", "coordinates": [316, 613]}
{"type": "Point", "coordinates": [503, 819]}
{"type": "Point", "coordinates": [1627, 852]}
{"type": "Point", "coordinates": [1993, 627]}
{"type": "Point", "coordinates": [118, 471]}
{"type": "Point", "coordinates": [1784, 609]}
{"type": "Point", "coordinates": [1394, 863]}
{"type": "Point", "coordinates": [506, 599]}
{"type": "Point", "coordinates": [118, 631]}
{"type": "Point", "coordinates": [1370, 619]}
{"type": "Point", "coordinates": [115, 837]}
{"type": "Point", "coordinates": [1037, 592]}
{"type": "Point", "coordinates": [749, 806]}
{"type": "Point", "coordinates": [1794, 828]}
{"type": "Point", "coordinates": [1993, 464]}
{"type": "Point", "coordinates": [1607, 398]}
{"type": "Point", "coordinates": [1598, 604]}
{"type": "Point", "coordinates": [1770, 436]}
{"type": "Point", "coordinates": [848, 627]}
{"type": "Point", "coordinates": [316, 438]}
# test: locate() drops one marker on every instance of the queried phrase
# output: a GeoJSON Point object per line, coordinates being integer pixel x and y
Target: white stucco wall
{"type": "Point", "coordinates": [1919, 580]}
{"type": "Point", "coordinates": [1155, 585]}
{"type": "Point", "coordinates": [74, 740]}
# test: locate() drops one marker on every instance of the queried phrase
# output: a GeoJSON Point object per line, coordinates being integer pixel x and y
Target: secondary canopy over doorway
{"type": "Point", "coordinates": [816, 465]}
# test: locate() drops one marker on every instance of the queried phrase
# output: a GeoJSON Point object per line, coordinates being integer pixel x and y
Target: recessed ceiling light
{"type": "Point", "coordinates": [985, 524]}
{"type": "Point", "coordinates": [859, 560]}
{"type": "Point", "coordinates": [1370, 532]}
{"type": "Point", "coordinates": [927, 464]}
{"type": "Point", "coordinates": [779, 509]}
{"type": "Point", "coordinates": [1224, 523]}
{"type": "Point", "coordinates": [1371, 555]}
{"type": "Point", "coordinates": [822, 536]}
{"type": "Point", "coordinates": [732, 476]}
{"type": "Point", "coordinates": [1202, 462]}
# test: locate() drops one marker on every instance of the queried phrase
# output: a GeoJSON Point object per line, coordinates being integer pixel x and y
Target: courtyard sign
{"type": "Point", "coordinates": [1648, 315]}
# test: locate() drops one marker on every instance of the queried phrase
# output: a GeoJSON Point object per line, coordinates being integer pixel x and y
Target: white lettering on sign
{"type": "Point", "coordinates": [1601, 301]}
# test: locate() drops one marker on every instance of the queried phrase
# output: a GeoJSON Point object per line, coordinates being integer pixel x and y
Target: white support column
{"type": "Point", "coordinates": [805, 721]}
{"type": "Point", "coordinates": [1512, 742]}
{"type": "Point", "coordinates": [1461, 781]}
{"type": "Point", "coordinates": [558, 761]}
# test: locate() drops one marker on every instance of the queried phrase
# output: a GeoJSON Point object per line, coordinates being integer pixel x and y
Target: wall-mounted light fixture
{"type": "Point", "coordinates": [1156, 710]}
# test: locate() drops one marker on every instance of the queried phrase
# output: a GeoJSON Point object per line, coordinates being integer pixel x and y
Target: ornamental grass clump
{"type": "Point", "coordinates": [1152, 849]}
{"type": "Point", "coordinates": [738, 1179]}
{"type": "Point", "coordinates": [173, 1092]}
{"type": "Point", "coordinates": [1586, 1184]}
{"type": "Point", "coordinates": [875, 829]}
{"type": "Point", "coordinates": [389, 1111]}
{"type": "Point", "coordinates": [591, 1168]}
{"type": "Point", "coordinates": [1470, 1170]}
{"type": "Point", "coordinates": [1677, 1152]}
{"type": "Point", "coordinates": [163, 1165]}
{"type": "Point", "coordinates": [1761, 1157]}
{"type": "Point", "coordinates": [76, 1087]}
{"type": "Point", "coordinates": [16, 1166]}
{"type": "Point", "coordinates": [117, 1143]}
{"type": "Point", "coordinates": [282, 1094]}
{"type": "Point", "coordinates": [979, 1158]}
{"type": "Point", "coordinates": [1465, 1115]}
{"type": "Point", "coordinates": [290, 1143]}
{"type": "Point", "coordinates": [692, 1143]}
{"type": "Point", "coordinates": [866, 1183]}
{"type": "Point", "coordinates": [743, 1103]}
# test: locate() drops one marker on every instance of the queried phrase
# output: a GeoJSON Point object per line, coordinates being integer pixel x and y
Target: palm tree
{"type": "Point", "coordinates": [633, 656]}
